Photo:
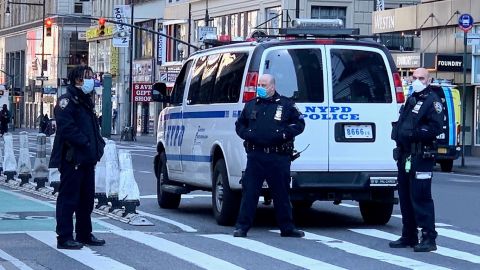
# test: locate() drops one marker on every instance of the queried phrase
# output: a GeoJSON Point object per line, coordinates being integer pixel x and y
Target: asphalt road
{"type": "Point", "coordinates": [189, 238]}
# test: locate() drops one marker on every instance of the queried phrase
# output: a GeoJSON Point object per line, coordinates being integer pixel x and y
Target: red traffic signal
{"type": "Point", "coordinates": [102, 21]}
{"type": "Point", "coordinates": [101, 27]}
{"type": "Point", "coordinates": [48, 27]}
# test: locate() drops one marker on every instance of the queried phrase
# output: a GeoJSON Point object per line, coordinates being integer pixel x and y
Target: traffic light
{"type": "Point", "coordinates": [101, 27]}
{"type": "Point", "coordinates": [48, 27]}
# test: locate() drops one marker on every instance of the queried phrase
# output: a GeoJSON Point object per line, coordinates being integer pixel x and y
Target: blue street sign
{"type": "Point", "coordinates": [465, 22]}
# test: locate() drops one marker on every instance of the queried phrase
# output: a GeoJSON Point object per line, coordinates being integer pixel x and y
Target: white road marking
{"type": "Point", "coordinates": [144, 171]}
{"type": "Point", "coordinates": [85, 256]}
{"type": "Point", "coordinates": [437, 224]}
{"type": "Point", "coordinates": [465, 181]}
{"type": "Point", "coordinates": [273, 252]}
{"type": "Point", "coordinates": [184, 196]}
{"type": "Point", "coordinates": [447, 252]}
{"type": "Point", "coordinates": [348, 205]}
{"type": "Point", "coordinates": [458, 174]}
{"type": "Point", "coordinates": [182, 226]}
{"type": "Point", "coordinates": [465, 237]}
{"type": "Point", "coordinates": [16, 262]}
{"type": "Point", "coordinates": [195, 257]}
{"type": "Point", "coordinates": [140, 155]}
{"type": "Point", "coordinates": [370, 253]}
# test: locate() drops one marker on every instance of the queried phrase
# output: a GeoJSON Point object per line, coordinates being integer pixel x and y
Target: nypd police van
{"type": "Point", "coordinates": [349, 92]}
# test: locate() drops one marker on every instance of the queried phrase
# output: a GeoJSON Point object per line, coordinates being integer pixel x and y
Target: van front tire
{"type": "Point", "coordinates": [165, 200]}
{"type": "Point", "coordinates": [446, 165]}
{"type": "Point", "coordinates": [379, 210]}
{"type": "Point", "coordinates": [225, 202]}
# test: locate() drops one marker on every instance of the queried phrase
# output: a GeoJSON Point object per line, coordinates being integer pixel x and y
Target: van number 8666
{"type": "Point", "coordinates": [174, 135]}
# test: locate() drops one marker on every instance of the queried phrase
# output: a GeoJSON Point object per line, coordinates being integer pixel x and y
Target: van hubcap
{"type": "Point", "coordinates": [219, 194]}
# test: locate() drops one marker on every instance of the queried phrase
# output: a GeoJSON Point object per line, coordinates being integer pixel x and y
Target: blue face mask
{"type": "Point", "coordinates": [262, 92]}
{"type": "Point", "coordinates": [88, 86]}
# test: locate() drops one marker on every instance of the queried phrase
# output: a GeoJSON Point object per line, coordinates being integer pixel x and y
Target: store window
{"type": "Point", "coordinates": [325, 12]}
{"type": "Point", "coordinates": [274, 15]}
{"type": "Point", "coordinates": [144, 41]}
{"type": "Point", "coordinates": [252, 21]}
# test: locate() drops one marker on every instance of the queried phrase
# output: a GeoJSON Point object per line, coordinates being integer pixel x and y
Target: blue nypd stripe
{"type": "Point", "coordinates": [200, 115]}
{"type": "Point", "coordinates": [451, 115]}
{"type": "Point", "coordinates": [193, 158]}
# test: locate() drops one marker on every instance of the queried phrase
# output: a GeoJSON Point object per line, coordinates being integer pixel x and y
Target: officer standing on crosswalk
{"type": "Point", "coordinates": [268, 124]}
{"type": "Point", "coordinates": [420, 122]}
{"type": "Point", "coordinates": [77, 147]}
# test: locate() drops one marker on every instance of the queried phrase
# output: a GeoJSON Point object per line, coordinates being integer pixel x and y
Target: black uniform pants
{"type": "Point", "coordinates": [76, 195]}
{"type": "Point", "coordinates": [415, 192]}
{"type": "Point", "coordinates": [275, 169]}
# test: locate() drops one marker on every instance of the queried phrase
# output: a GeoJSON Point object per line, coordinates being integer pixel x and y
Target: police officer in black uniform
{"type": "Point", "coordinates": [268, 124]}
{"type": "Point", "coordinates": [77, 147]}
{"type": "Point", "coordinates": [420, 122]}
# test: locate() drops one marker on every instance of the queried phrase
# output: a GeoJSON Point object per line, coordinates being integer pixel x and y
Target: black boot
{"type": "Point", "coordinates": [404, 242]}
{"type": "Point", "coordinates": [427, 243]}
{"type": "Point", "coordinates": [69, 244]}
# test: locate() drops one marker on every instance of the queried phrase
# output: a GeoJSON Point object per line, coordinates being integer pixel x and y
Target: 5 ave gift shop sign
{"type": "Point", "coordinates": [142, 92]}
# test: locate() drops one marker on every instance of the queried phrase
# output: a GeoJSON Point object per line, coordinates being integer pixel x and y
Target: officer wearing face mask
{"type": "Point", "coordinates": [268, 126]}
{"type": "Point", "coordinates": [77, 147]}
{"type": "Point", "coordinates": [420, 122]}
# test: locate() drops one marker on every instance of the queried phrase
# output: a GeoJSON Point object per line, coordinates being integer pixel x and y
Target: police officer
{"type": "Point", "coordinates": [421, 120]}
{"type": "Point", "coordinates": [268, 124]}
{"type": "Point", "coordinates": [77, 147]}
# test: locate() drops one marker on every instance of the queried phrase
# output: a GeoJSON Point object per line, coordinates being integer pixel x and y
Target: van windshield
{"type": "Point", "coordinates": [298, 73]}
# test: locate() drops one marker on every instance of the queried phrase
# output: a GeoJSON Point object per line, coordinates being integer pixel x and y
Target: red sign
{"type": "Point", "coordinates": [142, 92]}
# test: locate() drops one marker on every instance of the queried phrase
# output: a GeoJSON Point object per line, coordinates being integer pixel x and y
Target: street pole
{"type": "Point", "coordinates": [43, 59]}
{"type": "Point", "coordinates": [107, 106]}
{"type": "Point", "coordinates": [130, 83]}
{"type": "Point", "coordinates": [464, 96]}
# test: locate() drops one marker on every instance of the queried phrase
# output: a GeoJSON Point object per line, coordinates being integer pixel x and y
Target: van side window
{"type": "Point", "coordinates": [180, 83]}
{"type": "Point", "coordinates": [229, 78]}
{"type": "Point", "coordinates": [204, 93]}
{"type": "Point", "coordinates": [359, 77]}
{"type": "Point", "coordinates": [298, 73]}
{"type": "Point", "coordinates": [196, 80]}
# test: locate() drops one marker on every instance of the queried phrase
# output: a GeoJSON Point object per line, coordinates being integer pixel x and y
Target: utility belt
{"type": "Point", "coordinates": [286, 148]}
{"type": "Point", "coordinates": [416, 149]}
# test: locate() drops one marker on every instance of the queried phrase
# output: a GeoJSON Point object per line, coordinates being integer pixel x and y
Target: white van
{"type": "Point", "coordinates": [348, 90]}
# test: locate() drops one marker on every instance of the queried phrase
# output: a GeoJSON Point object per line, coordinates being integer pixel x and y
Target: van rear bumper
{"type": "Point", "coordinates": [452, 153]}
{"type": "Point", "coordinates": [333, 186]}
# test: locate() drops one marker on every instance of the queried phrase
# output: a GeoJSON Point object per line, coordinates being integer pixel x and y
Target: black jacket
{"type": "Point", "coordinates": [78, 138]}
{"type": "Point", "coordinates": [270, 122]}
{"type": "Point", "coordinates": [421, 120]}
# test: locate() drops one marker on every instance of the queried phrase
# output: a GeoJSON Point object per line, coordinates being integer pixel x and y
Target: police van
{"type": "Point", "coordinates": [448, 144]}
{"type": "Point", "coordinates": [349, 92]}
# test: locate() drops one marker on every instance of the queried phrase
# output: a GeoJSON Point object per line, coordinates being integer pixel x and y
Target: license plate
{"type": "Point", "coordinates": [442, 150]}
{"type": "Point", "coordinates": [358, 131]}
{"type": "Point", "coordinates": [383, 181]}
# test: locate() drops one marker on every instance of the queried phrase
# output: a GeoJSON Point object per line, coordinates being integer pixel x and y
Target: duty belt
{"type": "Point", "coordinates": [286, 148]}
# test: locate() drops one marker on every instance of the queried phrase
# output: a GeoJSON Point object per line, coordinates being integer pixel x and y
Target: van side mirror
{"type": "Point", "coordinates": [159, 92]}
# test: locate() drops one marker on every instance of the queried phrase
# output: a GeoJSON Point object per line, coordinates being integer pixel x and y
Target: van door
{"type": "Point", "coordinates": [300, 73]}
{"type": "Point", "coordinates": [362, 108]}
{"type": "Point", "coordinates": [174, 128]}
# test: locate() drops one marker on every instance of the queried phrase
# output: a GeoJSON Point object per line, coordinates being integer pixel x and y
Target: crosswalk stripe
{"type": "Point", "coordinates": [465, 237]}
{"type": "Point", "coordinates": [447, 252]}
{"type": "Point", "coordinates": [437, 224]}
{"type": "Point", "coordinates": [371, 253]}
{"type": "Point", "coordinates": [85, 256]}
{"type": "Point", "coordinates": [184, 253]}
{"type": "Point", "coordinates": [7, 257]}
{"type": "Point", "coordinates": [273, 252]}
{"type": "Point", "coordinates": [182, 226]}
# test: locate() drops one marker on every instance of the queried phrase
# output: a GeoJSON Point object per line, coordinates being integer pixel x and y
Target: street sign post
{"type": "Point", "coordinates": [465, 22]}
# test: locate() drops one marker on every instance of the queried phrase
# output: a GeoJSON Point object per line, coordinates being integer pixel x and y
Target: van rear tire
{"type": "Point", "coordinates": [165, 200]}
{"type": "Point", "coordinates": [379, 210]}
{"type": "Point", "coordinates": [225, 202]}
{"type": "Point", "coordinates": [446, 165]}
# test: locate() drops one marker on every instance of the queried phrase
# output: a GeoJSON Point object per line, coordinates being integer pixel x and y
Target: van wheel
{"type": "Point", "coordinates": [225, 202]}
{"type": "Point", "coordinates": [446, 165]}
{"type": "Point", "coordinates": [302, 204]}
{"type": "Point", "coordinates": [165, 200]}
{"type": "Point", "coordinates": [378, 211]}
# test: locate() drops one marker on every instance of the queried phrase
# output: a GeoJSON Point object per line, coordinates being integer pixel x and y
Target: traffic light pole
{"type": "Point", "coordinates": [43, 59]}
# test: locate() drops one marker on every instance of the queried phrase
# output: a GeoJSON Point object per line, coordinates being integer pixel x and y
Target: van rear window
{"type": "Point", "coordinates": [298, 73]}
{"type": "Point", "coordinates": [359, 77]}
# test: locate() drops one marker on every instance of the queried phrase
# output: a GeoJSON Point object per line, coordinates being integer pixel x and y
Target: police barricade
{"type": "Point", "coordinates": [112, 175]}
{"type": "Point", "coordinates": [40, 168]}
{"type": "Point", "coordinates": [24, 168]}
{"type": "Point", "coordinates": [53, 173]}
{"type": "Point", "coordinates": [9, 161]}
{"type": "Point", "coordinates": [101, 183]}
{"type": "Point", "coordinates": [128, 191]}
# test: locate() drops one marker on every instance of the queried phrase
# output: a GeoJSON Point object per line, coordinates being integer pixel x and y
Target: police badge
{"type": "Point", "coordinates": [278, 113]}
{"type": "Point", "coordinates": [438, 107]}
{"type": "Point", "coordinates": [63, 103]}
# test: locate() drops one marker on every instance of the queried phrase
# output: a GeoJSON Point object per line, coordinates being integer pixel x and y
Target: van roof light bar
{"type": "Point", "coordinates": [317, 23]}
{"type": "Point", "coordinates": [321, 32]}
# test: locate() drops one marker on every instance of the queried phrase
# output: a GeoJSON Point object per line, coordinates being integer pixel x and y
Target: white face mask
{"type": "Point", "coordinates": [88, 85]}
{"type": "Point", "coordinates": [418, 86]}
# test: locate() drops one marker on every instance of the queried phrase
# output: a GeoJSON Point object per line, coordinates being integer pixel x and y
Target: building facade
{"type": "Point", "coordinates": [21, 42]}
{"type": "Point", "coordinates": [440, 49]}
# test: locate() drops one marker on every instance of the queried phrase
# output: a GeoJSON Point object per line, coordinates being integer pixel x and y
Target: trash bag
{"type": "Point", "coordinates": [9, 161]}
{"type": "Point", "coordinates": [112, 169]}
{"type": "Point", "coordinates": [128, 189]}
{"type": "Point", "coordinates": [100, 175]}
{"type": "Point", "coordinates": [24, 163]}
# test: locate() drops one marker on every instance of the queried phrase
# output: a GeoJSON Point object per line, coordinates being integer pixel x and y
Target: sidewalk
{"type": "Point", "coordinates": [472, 165]}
